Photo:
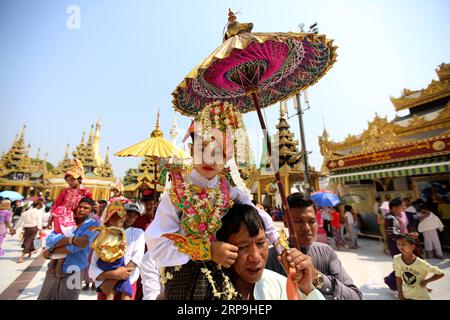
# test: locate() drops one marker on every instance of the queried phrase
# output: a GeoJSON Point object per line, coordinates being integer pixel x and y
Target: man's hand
{"type": "Point", "coordinates": [81, 242]}
{"type": "Point", "coordinates": [123, 273]}
{"type": "Point", "coordinates": [423, 283]}
{"type": "Point", "coordinates": [223, 253]}
{"type": "Point", "coordinates": [304, 269]}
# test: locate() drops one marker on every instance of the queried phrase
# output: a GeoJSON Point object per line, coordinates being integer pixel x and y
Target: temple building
{"type": "Point", "coordinates": [262, 181]}
{"type": "Point", "coordinates": [406, 157]}
{"type": "Point", "coordinates": [21, 173]}
{"type": "Point", "coordinates": [98, 173]}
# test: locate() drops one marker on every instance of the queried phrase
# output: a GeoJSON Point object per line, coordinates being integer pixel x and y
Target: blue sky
{"type": "Point", "coordinates": [128, 56]}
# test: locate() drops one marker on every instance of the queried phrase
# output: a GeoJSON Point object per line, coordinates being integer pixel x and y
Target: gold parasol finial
{"type": "Point", "coordinates": [231, 16]}
{"type": "Point", "coordinates": [156, 133]}
{"type": "Point", "coordinates": [234, 27]}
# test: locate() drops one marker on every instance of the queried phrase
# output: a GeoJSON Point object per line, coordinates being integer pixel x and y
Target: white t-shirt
{"type": "Point", "coordinates": [412, 275]}
{"type": "Point", "coordinates": [350, 219]}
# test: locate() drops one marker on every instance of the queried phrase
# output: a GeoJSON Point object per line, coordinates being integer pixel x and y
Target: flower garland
{"type": "Point", "coordinates": [229, 292]}
{"type": "Point", "coordinates": [200, 217]}
{"type": "Point", "coordinates": [220, 116]}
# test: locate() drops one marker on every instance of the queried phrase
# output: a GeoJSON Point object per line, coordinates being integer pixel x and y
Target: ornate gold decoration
{"type": "Point", "coordinates": [439, 145]}
{"type": "Point", "coordinates": [380, 133]}
{"type": "Point", "coordinates": [434, 91]}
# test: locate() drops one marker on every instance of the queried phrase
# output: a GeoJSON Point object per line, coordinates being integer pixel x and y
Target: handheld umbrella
{"type": "Point", "coordinates": [155, 147]}
{"type": "Point", "coordinates": [253, 71]}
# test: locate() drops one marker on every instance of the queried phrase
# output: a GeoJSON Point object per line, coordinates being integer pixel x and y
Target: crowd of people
{"type": "Point", "coordinates": [206, 240]}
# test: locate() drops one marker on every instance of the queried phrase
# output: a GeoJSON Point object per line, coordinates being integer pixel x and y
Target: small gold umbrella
{"type": "Point", "coordinates": [155, 147]}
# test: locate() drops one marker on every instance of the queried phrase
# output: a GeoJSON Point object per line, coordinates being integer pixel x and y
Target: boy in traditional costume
{"type": "Point", "coordinates": [117, 191]}
{"type": "Point", "coordinates": [110, 247]}
{"type": "Point", "coordinates": [182, 235]}
{"type": "Point", "coordinates": [63, 210]}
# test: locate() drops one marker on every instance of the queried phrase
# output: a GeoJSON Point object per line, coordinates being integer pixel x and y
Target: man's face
{"type": "Point", "coordinates": [397, 210]}
{"type": "Point", "coordinates": [148, 206]}
{"type": "Point", "coordinates": [252, 255]}
{"type": "Point", "coordinates": [73, 183]}
{"type": "Point", "coordinates": [131, 218]}
{"type": "Point", "coordinates": [38, 203]}
{"type": "Point", "coordinates": [83, 211]}
{"type": "Point", "coordinates": [101, 208]}
{"type": "Point", "coordinates": [406, 203]}
{"type": "Point", "coordinates": [212, 159]}
{"type": "Point", "coordinates": [305, 225]}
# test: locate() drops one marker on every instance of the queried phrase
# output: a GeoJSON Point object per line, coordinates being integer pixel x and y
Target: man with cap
{"type": "Point", "coordinates": [144, 220]}
{"type": "Point", "coordinates": [133, 255]}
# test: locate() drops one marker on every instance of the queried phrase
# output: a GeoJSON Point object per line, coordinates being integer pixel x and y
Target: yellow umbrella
{"type": "Point", "coordinates": [155, 147]}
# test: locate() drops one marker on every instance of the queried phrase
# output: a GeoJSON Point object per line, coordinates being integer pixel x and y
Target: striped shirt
{"type": "Point", "coordinates": [392, 226]}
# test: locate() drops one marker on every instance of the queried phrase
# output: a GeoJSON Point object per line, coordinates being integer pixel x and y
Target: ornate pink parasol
{"type": "Point", "coordinates": [253, 71]}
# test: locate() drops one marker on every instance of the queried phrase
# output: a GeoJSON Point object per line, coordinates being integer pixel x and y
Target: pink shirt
{"type": "Point", "coordinates": [5, 217]}
{"type": "Point", "coordinates": [403, 222]}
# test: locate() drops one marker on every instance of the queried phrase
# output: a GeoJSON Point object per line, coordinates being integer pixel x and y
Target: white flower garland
{"type": "Point", "coordinates": [229, 292]}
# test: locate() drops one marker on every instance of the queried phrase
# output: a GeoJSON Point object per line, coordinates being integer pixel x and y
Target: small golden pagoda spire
{"type": "Point", "coordinates": [91, 135]}
{"type": "Point", "coordinates": [157, 132]}
{"type": "Point", "coordinates": [82, 137]}
{"type": "Point", "coordinates": [22, 132]}
{"type": "Point", "coordinates": [325, 134]}
{"type": "Point", "coordinates": [66, 155]}
{"type": "Point", "coordinates": [107, 154]}
{"type": "Point", "coordinates": [38, 154]}
{"type": "Point", "coordinates": [283, 109]}
{"type": "Point", "coordinates": [98, 126]}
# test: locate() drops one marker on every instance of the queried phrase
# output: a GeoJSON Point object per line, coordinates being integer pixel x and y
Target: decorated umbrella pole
{"type": "Point", "coordinates": [155, 147]}
{"type": "Point", "coordinates": [255, 70]}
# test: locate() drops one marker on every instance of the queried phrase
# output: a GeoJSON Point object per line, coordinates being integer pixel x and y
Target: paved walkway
{"type": "Point", "coordinates": [367, 266]}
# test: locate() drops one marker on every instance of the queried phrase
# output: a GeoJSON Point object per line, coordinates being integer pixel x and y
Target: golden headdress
{"type": "Point", "coordinates": [119, 186]}
{"type": "Point", "coordinates": [116, 206]}
{"type": "Point", "coordinates": [76, 170]}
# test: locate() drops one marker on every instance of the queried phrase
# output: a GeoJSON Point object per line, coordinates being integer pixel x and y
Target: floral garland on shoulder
{"type": "Point", "coordinates": [200, 218]}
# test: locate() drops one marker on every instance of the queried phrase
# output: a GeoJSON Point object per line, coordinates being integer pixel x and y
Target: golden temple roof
{"type": "Point", "coordinates": [16, 164]}
{"type": "Point", "coordinates": [89, 154]}
{"type": "Point", "coordinates": [436, 90]}
{"type": "Point", "coordinates": [431, 119]}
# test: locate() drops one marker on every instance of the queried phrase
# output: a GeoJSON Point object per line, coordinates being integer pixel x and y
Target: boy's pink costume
{"type": "Point", "coordinates": [67, 202]}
